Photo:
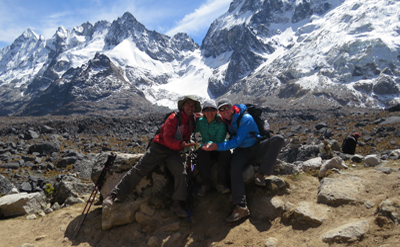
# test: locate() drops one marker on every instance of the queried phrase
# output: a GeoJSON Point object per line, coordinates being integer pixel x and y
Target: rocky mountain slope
{"type": "Point", "coordinates": [312, 54]}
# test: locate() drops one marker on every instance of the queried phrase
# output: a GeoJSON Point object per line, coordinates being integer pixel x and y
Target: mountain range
{"type": "Point", "coordinates": [276, 53]}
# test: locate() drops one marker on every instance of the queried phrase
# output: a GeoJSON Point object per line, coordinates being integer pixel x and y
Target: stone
{"type": "Point", "coordinates": [371, 160]}
{"type": "Point", "coordinates": [271, 242]}
{"type": "Point", "coordinates": [335, 162]}
{"type": "Point", "coordinates": [70, 186]}
{"type": "Point", "coordinates": [264, 207]}
{"type": "Point", "coordinates": [20, 204]}
{"type": "Point", "coordinates": [146, 209]}
{"type": "Point", "coordinates": [153, 242]}
{"type": "Point", "coordinates": [120, 213]}
{"type": "Point", "coordinates": [311, 164]}
{"type": "Point", "coordinates": [334, 191]}
{"type": "Point", "coordinates": [347, 233]}
{"type": "Point", "coordinates": [310, 214]}
{"type": "Point", "coordinates": [171, 227]}
{"type": "Point", "coordinates": [140, 217]}
{"type": "Point", "coordinates": [5, 185]}
{"type": "Point", "coordinates": [390, 209]}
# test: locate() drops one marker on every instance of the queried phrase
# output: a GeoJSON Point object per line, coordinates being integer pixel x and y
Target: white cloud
{"type": "Point", "coordinates": [200, 18]}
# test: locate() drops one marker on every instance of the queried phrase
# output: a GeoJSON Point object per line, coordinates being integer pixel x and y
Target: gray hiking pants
{"type": "Point", "coordinates": [267, 151]}
{"type": "Point", "coordinates": [155, 155]}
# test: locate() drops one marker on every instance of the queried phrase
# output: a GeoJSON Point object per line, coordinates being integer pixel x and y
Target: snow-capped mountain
{"type": "Point", "coordinates": [316, 52]}
{"type": "Point", "coordinates": [285, 53]}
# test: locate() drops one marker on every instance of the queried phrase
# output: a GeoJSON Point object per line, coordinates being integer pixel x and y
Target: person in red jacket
{"type": "Point", "coordinates": [165, 147]}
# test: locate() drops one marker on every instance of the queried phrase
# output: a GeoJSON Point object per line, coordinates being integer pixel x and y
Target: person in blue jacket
{"type": "Point", "coordinates": [244, 139]}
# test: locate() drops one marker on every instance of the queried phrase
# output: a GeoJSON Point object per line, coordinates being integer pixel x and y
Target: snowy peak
{"type": "Point", "coordinates": [292, 53]}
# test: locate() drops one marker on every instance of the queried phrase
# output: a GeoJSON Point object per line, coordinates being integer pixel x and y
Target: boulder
{"type": "Point", "coordinates": [335, 191]}
{"type": "Point", "coordinates": [311, 164]}
{"type": "Point", "coordinates": [347, 233]}
{"type": "Point", "coordinates": [335, 162]}
{"type": "Point", "coordinates": [371, 160]}
{"type": "Point", "coordinates": [20, 204]}
{"type": "Point", "coordinates": [44, 148]}
{"type": "Point", "coordinates": [310, 214]}
{"type": "Point", "coordinates": [5, 185]}
{"type": "Point", "coordinates": [71, 186]}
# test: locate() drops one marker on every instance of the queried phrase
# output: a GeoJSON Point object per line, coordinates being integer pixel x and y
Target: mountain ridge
{"type": "Point", "coordinates": [333, 53]}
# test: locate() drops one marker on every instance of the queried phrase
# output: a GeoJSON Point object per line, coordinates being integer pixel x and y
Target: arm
{"type": "Point", "coordinates": [246, 126]}
{"type": "Point", "coordinates": [169, 131]}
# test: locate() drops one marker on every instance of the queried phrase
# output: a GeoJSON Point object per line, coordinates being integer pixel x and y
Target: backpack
{"type": "Point", "coordinates": [178, 115]}
{"type": "Point", "coordinates": [255, 111]}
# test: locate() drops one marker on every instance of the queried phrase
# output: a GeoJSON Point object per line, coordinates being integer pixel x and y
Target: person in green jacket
{"type": "Point", "coordinates": [212, 130]}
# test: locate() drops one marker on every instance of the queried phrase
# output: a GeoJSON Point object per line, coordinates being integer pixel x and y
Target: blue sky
{"type": "Point", "coordinates": [164, 16]}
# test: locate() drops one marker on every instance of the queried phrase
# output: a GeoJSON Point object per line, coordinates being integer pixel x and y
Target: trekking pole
{"type": "Point", "coordinates": [192, 163]}
{"type": "Point", "coordinates": [97, 187]}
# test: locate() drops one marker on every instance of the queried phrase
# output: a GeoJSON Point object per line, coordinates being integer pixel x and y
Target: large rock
{"type": "Point", "coordinates": [122, 164]}
{"type": "Point", "coordinates": [71, 187]}
{"type": "Point", "coordinates": [311, 164]}
{"type": "Point", "coordinates": [157, 184]}
{"type": "Point", "coordinates": [20, 204]}
{"type": "Point", "coordinates": [44, 148]}
{"type": "Point", "coordinates": [265, 207]}
{"type": "Point", "coordinates": [5, 185]}
{"type": "Point", "coordinates": [121, 213]}
{"type": "Point", "coordinates": [310, 214]}
{"type": "Point", "coordinates": [335, 191]}
{"type": "Point", "coordinates": [347, 233]}
{"type": "Point", "coordinates": [335, 162]}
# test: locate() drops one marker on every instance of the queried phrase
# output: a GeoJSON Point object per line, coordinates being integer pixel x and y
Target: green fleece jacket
{"type": "Point", "coordinates": [211, 132]}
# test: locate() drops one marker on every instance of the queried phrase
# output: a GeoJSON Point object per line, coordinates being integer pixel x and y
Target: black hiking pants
{"type": "Point", "coordinates": [154, 156]}
{"type": "Point", "coordinates": [205, 159]}
{"type": "Point", "coordinates": [267, 151]}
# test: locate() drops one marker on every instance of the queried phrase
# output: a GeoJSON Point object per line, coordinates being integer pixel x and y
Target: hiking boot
{"type": "Point", "coordinates": [238, 213]}
{"type": "Point", "coordinates": [109, 201]}
{"type": "Point", "coordinates": [259, 179]}
{"type": "Point", "coordinates": [222, 189]}
{"type": "Point", "coordinates": [203, 189]}
{"type": "Point", "coordinates": [178, 210]}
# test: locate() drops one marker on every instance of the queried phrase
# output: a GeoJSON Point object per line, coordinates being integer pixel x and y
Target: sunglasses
{"type": "Point", "coordinates": [209, 110]}
{"type": "Point", "coordinates": [222, 109]}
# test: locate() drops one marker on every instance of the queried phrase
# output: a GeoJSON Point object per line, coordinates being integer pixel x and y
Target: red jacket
{"type": "Point", "coordinates": [168, 131]}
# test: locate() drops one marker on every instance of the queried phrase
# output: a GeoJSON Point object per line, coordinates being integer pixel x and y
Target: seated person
{"type": "Point", "coordinates": [212, 129]}
{"type": "Point", "coordinates": [164, 148]}
{"type": "Point", "coordinates": [245, 139]}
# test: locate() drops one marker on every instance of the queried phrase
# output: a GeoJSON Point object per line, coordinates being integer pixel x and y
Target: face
{"type": "Point", "coordinates": [210, 113]}
{"type": "Point", "coordinates": [226, 112]}
{"type": "Point", "coordinates": [188, 107]}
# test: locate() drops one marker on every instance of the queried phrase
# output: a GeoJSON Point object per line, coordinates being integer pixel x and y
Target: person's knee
{"type": "Point", "coordinates": [279, 140]}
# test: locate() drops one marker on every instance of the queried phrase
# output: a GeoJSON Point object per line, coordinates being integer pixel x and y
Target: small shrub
{"type": "Point", "coordinates": [49, 190]}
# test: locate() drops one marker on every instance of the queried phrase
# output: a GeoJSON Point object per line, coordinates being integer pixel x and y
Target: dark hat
{"type": "Point", "coordinates": [223, 102]}
{"type": "Point", "coordinates": [209, 103]}
{"type": "Point", "coordinates": [189, 97]}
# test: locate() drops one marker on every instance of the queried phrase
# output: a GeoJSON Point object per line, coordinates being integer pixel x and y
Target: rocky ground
{"type": "Point", "coordinates": [77, 137]}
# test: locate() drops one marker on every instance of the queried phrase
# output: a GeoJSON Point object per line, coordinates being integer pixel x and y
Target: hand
{"type": "Point", "coordinates": [198, 115]}
{"type": "Point", "coordinates": [210, 147]}
{"type": "Point", "coordinates": [185, 145]}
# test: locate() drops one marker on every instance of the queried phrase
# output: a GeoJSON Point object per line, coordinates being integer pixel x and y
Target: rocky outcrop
{"type": "Point", "coordinates": [22, 203]}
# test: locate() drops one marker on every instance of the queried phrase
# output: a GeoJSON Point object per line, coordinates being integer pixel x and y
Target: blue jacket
{"type": "Point", "coordinates": [244, 137]}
